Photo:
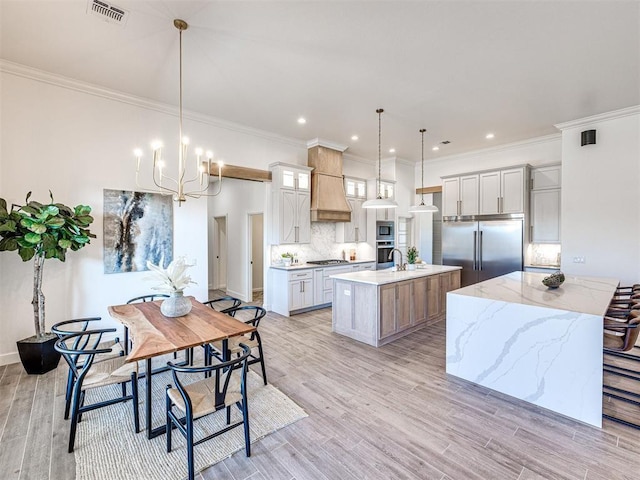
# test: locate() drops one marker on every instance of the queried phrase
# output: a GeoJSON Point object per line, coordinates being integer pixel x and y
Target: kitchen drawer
{"type": "Point", "coordinates": [328, 281]}
{"type": "Point", "coordinates": [303, 275]}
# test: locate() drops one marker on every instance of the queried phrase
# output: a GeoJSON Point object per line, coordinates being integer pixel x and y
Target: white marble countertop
{"type": "Point", "coordinates": [303, 266]}
{"type": "Point", "coordinates": [590, 295]}
{"type": "Point", "coordinates": [381, 277]}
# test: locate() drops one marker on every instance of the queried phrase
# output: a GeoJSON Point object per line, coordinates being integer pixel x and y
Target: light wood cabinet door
{"type": "Point", "coordinates": [455, 280]}
{"type": "Point", "coordinates": [403, 306]}
{"type": "Point", "coordinates": [445, 286]}
{"type": "Point", "coordinates": [420, 287]}
{"type": "Point", "coordinates": [433, 296]}
{"type": "Point", "coordinates": [387, 310]}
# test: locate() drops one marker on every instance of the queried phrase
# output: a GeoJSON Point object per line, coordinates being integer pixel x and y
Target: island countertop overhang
{"type": "Point", "coordinates": [383, 277]}
{"type": "Point", "coordinates": [590, 295]}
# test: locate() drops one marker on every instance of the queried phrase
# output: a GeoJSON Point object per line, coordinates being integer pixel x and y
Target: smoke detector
{"type": "Point", "coordinates": [107, 12]}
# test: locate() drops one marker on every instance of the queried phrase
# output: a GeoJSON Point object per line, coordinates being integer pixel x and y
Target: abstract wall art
{"type": "Point", "coordinates": [138, 226]}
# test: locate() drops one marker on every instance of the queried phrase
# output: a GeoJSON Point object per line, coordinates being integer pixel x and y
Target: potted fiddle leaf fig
{"type": "Point", "coordinates": [38, 231]}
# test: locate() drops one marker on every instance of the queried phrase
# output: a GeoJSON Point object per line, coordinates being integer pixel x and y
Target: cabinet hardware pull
{"type": "Point", "coordinates": [498, 204]}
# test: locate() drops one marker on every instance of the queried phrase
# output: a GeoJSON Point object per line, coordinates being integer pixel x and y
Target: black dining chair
{"type": "Point", "coordinates": [68, 327]}
{"type": "Point", "coordinates": [224, 385]}
{"type": "Point", "coordinates": [250, 314]}
{"type": "Point", "coordinates": [223, 304]}
{"type": "Point", "coordinates": [80, 350]}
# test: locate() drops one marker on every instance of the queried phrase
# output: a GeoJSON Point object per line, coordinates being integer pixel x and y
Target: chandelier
{"type": "Point", "coordinates": [167, 185]}
{"type": "Point", "coordinates": [422, 208]}
{"type": "Point", "coordinates": [379, 201]}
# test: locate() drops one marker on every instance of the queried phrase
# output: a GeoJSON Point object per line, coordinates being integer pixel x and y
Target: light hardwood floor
{"type": "Point", "coordinates": [386, 413]}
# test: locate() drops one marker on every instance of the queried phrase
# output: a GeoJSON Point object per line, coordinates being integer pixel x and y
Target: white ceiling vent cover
{"type": "Point", "coordinates": [107, 12]}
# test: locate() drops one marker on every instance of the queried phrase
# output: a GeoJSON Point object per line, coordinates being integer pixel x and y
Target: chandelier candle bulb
{"type": "Point", "coordinates": [178, 185]}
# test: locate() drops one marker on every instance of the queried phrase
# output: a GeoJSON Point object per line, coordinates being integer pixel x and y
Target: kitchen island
{"type": "Point", "coordinates": [544, 346]}
{"type": "Point", "coordinates": [377, 307]}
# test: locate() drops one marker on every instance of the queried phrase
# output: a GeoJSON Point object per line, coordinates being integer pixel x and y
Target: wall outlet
{"type": "Point", "coordinates": [579, 259]}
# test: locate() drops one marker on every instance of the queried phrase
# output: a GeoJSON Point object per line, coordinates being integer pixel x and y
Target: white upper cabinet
{"type": "Point", "coordinates": [460, 195]}
{"type": "Point", "coordinates": [545, 204]}
{"type": "Point", "coordinates": [387, 190]}
{"type": "Point", "coordinates": [291, 203]}
{"type": "Point", "coordinates": [486, 193]}
{"type": "Point", "coordinates": [503, 191]}
{"type": "Point", "coordinates": [546, 177]}
{"type": "Point", "coordinates": [356, 229]}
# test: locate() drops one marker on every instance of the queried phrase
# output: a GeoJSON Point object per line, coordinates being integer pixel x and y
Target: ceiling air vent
{"type": "Point", "coordinates": [107, 12]}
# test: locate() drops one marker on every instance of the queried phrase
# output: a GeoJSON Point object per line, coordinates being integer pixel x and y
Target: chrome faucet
{"type": "Point", "coordinates": [401, 266]}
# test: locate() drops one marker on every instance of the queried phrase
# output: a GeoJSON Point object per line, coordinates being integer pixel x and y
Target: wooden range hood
{"type": "Point", "coordinates": [328, 200]}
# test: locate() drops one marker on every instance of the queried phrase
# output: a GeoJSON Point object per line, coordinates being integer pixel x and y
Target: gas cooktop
{"type": "Point", "coordinates": [327, 262]}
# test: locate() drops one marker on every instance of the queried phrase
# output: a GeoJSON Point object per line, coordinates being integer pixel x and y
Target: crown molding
{"type": "Point", "coordinates": [601, 117]}
{"type": "Point", "coordinates": [24, 71]}
{"type": "Point", "coordinates": [355, 158]}
{"type": "Point", "coordinates": [498, 148]}
{"type": "Point", "coordinates": [320, 142]}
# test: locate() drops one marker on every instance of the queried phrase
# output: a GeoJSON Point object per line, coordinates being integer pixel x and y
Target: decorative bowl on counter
{"type": "Point", "coordinates": [554, 280]}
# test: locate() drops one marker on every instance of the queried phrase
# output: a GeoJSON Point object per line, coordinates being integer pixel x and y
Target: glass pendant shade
{"type": "Point", "coordinates": [379, 202]}
{"type": "Point", "coordinates": [422, 208]}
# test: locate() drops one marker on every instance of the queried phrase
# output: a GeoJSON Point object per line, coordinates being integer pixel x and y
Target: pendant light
{"type": "Point", "coordinates": [177, 187]}
{"type": "Point", "coordinates": [379, 202]}
{"type": "Point", "coordinates": [422, 208]}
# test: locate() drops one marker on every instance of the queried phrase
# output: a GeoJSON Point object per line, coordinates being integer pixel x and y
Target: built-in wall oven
{"type": "Point", "coordinates": [385, 231]}
{"type": "Point", "coordinates": [384, 249]}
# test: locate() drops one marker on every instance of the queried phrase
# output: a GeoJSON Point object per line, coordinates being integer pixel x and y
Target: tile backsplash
{"type": "Point", "coordinates": [544, 254]}
{"type": "Point", "coordinates": [323, 246]}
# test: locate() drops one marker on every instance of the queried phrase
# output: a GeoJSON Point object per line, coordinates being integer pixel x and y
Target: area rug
{"type": "Point", "coordinates": [107, 448]}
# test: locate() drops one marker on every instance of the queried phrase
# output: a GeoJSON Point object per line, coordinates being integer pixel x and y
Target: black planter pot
{"type": "Point", "coordinates": [38, 355]}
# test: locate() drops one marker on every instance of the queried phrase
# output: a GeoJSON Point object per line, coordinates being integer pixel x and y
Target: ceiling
{"type": "Point", "coordinates": [458, 69]}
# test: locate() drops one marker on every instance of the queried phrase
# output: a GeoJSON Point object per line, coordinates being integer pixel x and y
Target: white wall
{"type": "Point", "coordinates": [77, 140]}
{"type": "Point", "coordinates": [237, 199]}
{"type": "Point", "coordinates": [600, 216]}
{"type": "Point", "coordinates": [77, 144]}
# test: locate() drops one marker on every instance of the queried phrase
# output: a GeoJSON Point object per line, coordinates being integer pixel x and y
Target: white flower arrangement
{"type": "Point", "coordinates": [172, 279]}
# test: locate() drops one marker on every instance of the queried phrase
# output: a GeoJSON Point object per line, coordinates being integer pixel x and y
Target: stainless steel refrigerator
{"type": "Point", "coordinates": [484, 246]}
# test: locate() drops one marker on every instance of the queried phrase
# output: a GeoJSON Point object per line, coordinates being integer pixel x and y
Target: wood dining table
{"type": "Point", "coordinates": [153, 335]}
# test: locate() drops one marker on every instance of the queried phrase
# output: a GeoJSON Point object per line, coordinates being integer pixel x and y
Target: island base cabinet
{"type": "Point", "coordinates": [379, 314]}
{"type": "Point", "coordinates": [353, 320]}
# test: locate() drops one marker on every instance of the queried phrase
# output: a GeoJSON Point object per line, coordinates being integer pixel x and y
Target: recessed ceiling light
{"type": "Point", "coordinates": [302, 120]}
{"type": "Point", "coordinates": [392, 150]}
{"type": "Point", "coordinates": [436, 148]}
{"type": "Point", "coordinates": [354, 137]}
{"type": "Point", "coordinates": [489, 136]}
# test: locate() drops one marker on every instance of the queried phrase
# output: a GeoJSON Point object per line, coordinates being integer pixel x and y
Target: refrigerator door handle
{"type": "Point", "coordinates": [475, 249]}
{"type": "Point", "coordinates": [480, 251]}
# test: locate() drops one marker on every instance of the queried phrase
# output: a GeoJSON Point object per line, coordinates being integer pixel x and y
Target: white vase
{"type": "Point", "coordinates": [411, 266]}
{"type": "Point", "coordinates": [176, 305]}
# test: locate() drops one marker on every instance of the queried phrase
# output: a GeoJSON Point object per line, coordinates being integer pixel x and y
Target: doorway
{"type": "Point", "coordinates": [219, 253]}
{"type": "Point", "coordinates": [255, 241]}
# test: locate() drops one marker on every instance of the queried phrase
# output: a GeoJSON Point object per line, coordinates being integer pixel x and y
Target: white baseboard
{"type": "Point", "coordinates": [8, 358]}
{"type": "Point", "coordinates": [239, 295]}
